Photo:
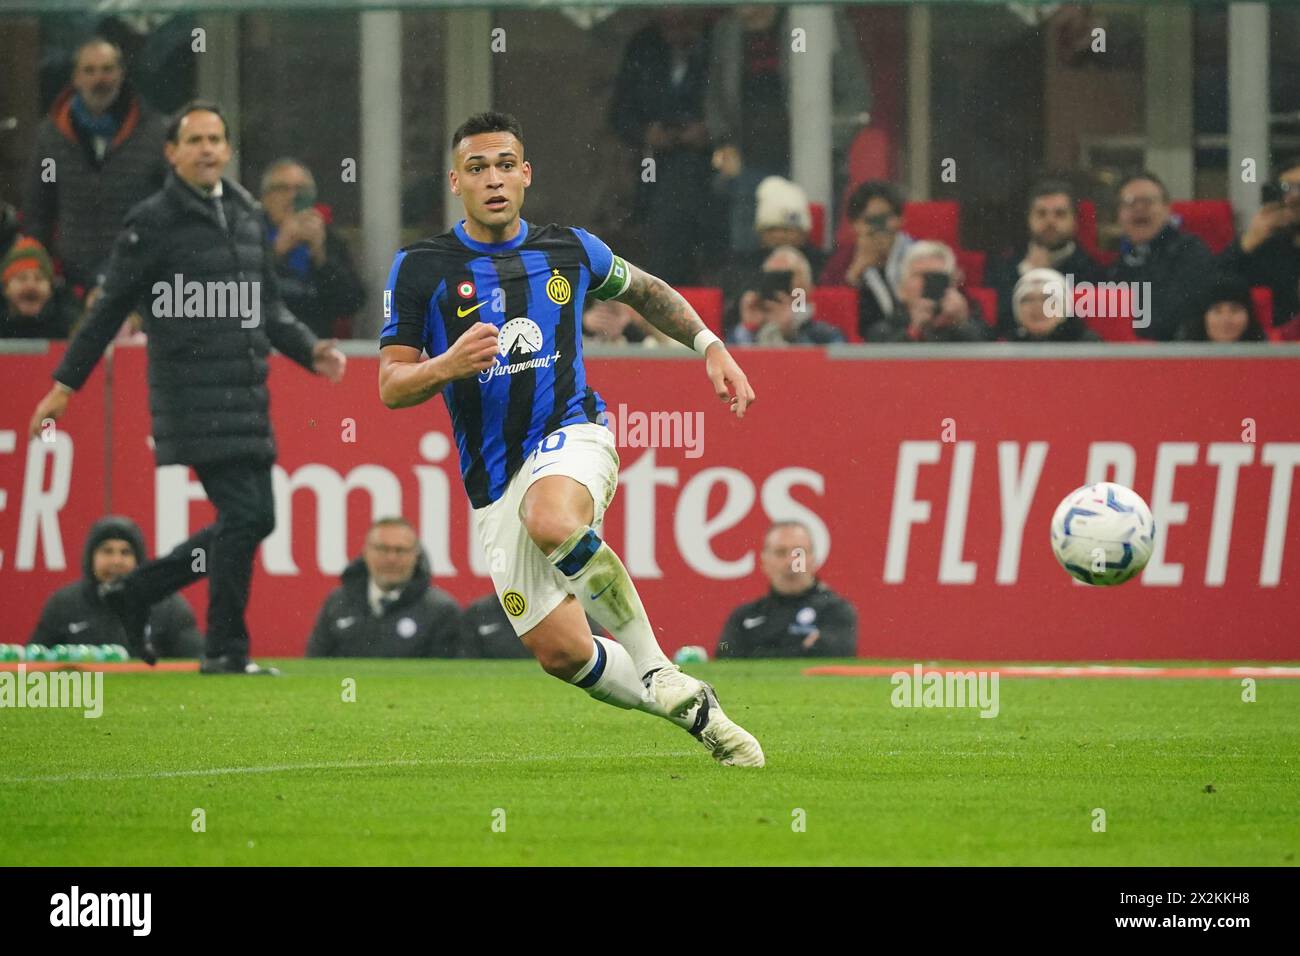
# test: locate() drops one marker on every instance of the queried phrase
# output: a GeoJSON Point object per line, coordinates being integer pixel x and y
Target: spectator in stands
{"type": "Point", "coordinates": [1042, 314]}
{"type": "Point", "coordinates": [386, 606]}
{"type": "Point", "coordinates": [1268, 252]}
{"type": "Point", "coordinates": [1226, 313]}
{"type": "Point", "coordinates": [874, 263]}
{"type": "Point", "coordinates": [318, 282]}
{"type": "Point", "coordinates": [1153, 250]}
{"type": "Point", "coordinates": [485, 631]}
{"type": "Point", "coordinates": [98, 153]}
{"type": "Point", "coordinates": [748, 104]}
{"type": "Point", "coordinates": [610, 322]}
{"type": "Point", "coordinates": [658, 111]}
{"type": "Point", "coordinates": [799, 616]}
{"type": "Point", "coordinates": [783, 218]}
{"type": "Point", "coordinates": [780, 310]}
{"type": "Point", "coordinates": [77, 614]}
{"type": "Point", "coordinates": [34, 306]}
{"type": "Point", "coordinates": [932, 308]}
{"type": "Point", "coordinates": [1053, 230]}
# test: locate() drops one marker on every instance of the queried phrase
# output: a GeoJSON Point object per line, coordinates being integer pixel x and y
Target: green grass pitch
{"type": "Point", "coordinates": [418, 768]}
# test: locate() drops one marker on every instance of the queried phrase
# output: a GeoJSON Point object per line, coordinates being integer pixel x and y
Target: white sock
{"type": "Point", "coordinates": [593, 568]}
{"type": "Point", "coordinates": [610, 676]}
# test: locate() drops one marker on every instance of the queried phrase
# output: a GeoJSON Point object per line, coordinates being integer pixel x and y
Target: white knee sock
{"type": "Point", "coordinates": [611, 676]}
{"type": "Point", "coordinates": [603, 586]}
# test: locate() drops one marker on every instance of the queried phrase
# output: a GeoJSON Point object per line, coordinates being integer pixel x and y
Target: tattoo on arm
{"type": "Point", "coordinates": [663, 307]}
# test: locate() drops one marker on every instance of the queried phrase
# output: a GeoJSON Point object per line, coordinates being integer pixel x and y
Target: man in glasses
{"type": "Point", "coordinates": [386, 605]}
{"type": "Point", "coordinates": [1268, 252]}
{"type": "Point", "coordinates": [1169, 265]}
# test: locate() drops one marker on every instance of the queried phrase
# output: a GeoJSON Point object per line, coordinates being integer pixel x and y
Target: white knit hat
{"type": "Point", "coordinates": [782, 203]}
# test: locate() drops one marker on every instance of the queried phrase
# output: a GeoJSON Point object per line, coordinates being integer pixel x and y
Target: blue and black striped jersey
{"type": "Point", "coordinates": [532, 288]}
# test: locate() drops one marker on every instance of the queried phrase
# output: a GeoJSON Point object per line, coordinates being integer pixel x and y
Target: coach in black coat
{"type": "Point", "coordinates": [193, 259]}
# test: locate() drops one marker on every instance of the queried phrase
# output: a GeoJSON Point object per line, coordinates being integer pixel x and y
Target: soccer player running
{"type": "Point", "coordinates": [496, 304]}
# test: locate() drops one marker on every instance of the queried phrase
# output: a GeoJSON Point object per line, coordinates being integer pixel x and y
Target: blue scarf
{"type": "Point", "coordinates": [105, 125]}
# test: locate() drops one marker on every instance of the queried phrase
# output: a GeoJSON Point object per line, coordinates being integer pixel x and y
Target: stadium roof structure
{"type": "Point", "coordinates": [110, 7]}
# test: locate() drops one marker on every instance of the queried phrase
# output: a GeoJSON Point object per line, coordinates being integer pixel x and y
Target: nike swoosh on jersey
{"type": "Point", "coordinates": [76, 627]}
{"type": "Point", "coordinates": [540, 467]}
{"type": "Point", "coordinates": [462, 311]}
{"type": "Point", "coordinates": [754, 621]}
{"type": "Point", "coordinates": [488, 628]}
{"type": "Point", "coordinates": [345, 622]}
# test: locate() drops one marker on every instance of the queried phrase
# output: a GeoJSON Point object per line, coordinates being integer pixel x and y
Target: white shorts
{"type": "Point", "coordinates": [528, 586]}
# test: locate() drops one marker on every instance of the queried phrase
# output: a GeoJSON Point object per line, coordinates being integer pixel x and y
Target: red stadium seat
{"type": "Point", "coordinates": [1208, 219]}
{"type": "Point", "coordinates": [1087, 214]}
{"type": "Point", "coordinates": [707, 301]}
{"type": "Point", "coordinates": [1113, 328]}
{"type": "Point", "coordinates": [988, 303]}
{"type": "Point", "coordinates": [1261, 296]}
{"type": "Point", "coordinates": [932, 220]}
{"type": "Point", "coordinates": [818, 231]}
{"type": "Point", "coordinates": [971, 264]}
{"type": "Point", "coordinates": [868, 156]}
{"type": "Point", "coordinates": [837, 305]}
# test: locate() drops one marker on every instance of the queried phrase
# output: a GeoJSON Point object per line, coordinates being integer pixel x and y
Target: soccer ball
{"type": "Point", "coordinates": [1102, 534]}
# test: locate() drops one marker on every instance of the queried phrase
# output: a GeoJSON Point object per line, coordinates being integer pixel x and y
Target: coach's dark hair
{"type": "Point", "coordinates": [1050, 187]}
{"type": "Point", "coordinates": [1148, 176]}
{"type": "Point", "coordinates": [489, 121]}
{"type": "Point", "coordinates": [874, 189]}
{"type": "Point", "coordinates": [194, 106]}
{"type": "Point", "coordinates": [1287, 162]}
{"type": "Point", "coordinates": [96, 40]}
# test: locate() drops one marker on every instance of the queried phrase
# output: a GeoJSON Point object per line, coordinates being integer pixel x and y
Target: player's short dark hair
{"type": "Point", "coordinates": [1050, 187]}
{"type": "Point", "coordinates": [489, 121]}
{"type": "Point", "coordinates": [1147, 176]}
{"type": "Point", "coordinates": [873, 189]}
{"type": "Point", "coordinates": [195, 106]}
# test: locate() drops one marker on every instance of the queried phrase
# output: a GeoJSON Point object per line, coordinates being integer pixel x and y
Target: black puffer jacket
{"type": "Point", "coordinates": [74, 614]}
{"type": "Point", "coordinates": [423, 622]}
{"type": "Point", "coordinates": [207, 374]}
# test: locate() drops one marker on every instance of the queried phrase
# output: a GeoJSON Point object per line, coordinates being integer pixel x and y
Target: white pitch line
{"type": "Point", "coordinates": [291, 767]}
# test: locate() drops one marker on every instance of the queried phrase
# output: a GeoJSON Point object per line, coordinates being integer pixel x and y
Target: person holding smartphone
{"type": "Point", "coordinates": [318, 281]}
{"type": "Point", "coordinates": [873, 263]}
{"type": "Point", "coordinates": [778, 308]}
{"type": "Point", "coordinates": [1268, 252]}
{"type": "Point", "coordinates": [932, 308]}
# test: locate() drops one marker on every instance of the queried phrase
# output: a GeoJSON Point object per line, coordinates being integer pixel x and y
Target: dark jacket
{"type": "Point", "coordinates": [74, 614]}
{"type": "Point", "coordinates": [422, 622]}
{"type": "Point", "coordinates": [1071, 329]}
{"type": "Point", "coordinates": [1176, 264]}
{"type": "Point", "coordinates": [1276, 264]}
{"type": "Point", "coordinates": [776, 625]}
{"type": "Point", "coordinates": [85, 205]}
{"type": "Point", "coordinates": [894, 328]}
{"type": "Point", "coordinates": [320, 295]}
{"type": "Point", "coordinates": [207, 374]}
{"type": "Point", "coordinates": [1003, 274]}
{"type": "Point", "coordinates": [54, 321]}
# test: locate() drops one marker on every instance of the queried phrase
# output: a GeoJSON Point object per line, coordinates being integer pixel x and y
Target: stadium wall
{"type": "Point", "coordinates": [928, 480]}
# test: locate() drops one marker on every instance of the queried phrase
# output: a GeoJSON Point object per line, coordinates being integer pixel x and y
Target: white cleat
{"type": "Point", "coordinates": [674, 693]}
{"type": "Point", "coordinates": [730, 744]}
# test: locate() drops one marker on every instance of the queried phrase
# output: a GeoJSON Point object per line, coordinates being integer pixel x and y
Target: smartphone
{"type": "Point", "coordinates": [304, 198]}
{"type": "Point", "coordinates": [936, 284]}
{"type": "Point", "coordinates": [1270, 192]}
{"type": "Point", "coordinates": [772, 283]}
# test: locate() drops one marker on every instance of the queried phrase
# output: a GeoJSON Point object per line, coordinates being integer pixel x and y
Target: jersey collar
{"type": "Point", "coordinates": [506, 246]}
